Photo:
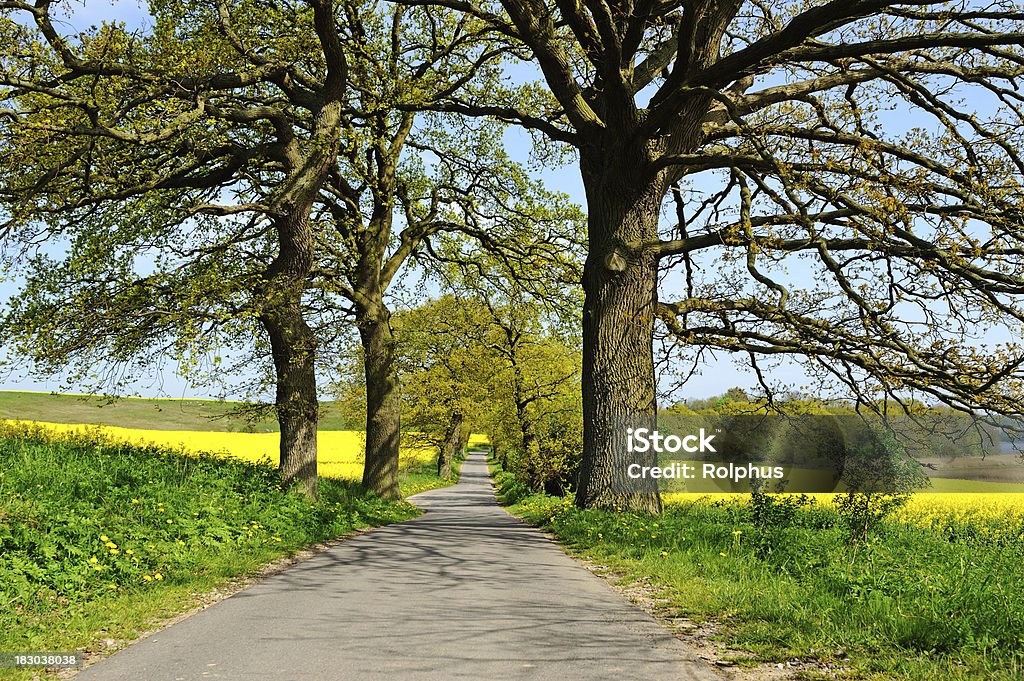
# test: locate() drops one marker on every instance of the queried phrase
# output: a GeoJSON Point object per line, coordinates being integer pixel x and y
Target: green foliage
{"type": "Point", "coordinates": [509, 375]}
{"type": "Point", "coordinates": [551, 461]}
{"type": "Point", "coordinates": [146, 177]}
{"type": "Point", "coordinates": [862, 512]}
{"type": "Point", "coordinates": [772, 515]}
{"type": "Point", "coordinates": [421, 476]}
{"type": "Point", "coordinates": [510, 489]}
{"type": "Point", "coordinates": [84, 521]}
{"type": "Point", "coordinates": [911, 602]}
{"type": "Point", "coordinates": [880, 478]}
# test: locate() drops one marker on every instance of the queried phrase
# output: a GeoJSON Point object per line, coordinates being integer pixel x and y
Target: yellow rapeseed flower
{"type": "Point", "coordinates": [340, 450]}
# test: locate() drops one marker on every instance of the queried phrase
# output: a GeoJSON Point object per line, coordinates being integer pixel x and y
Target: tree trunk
{"type": "Point", "coordinates": [293, 346]}
{"type": "Point", "coordinates": [620, 288]}
{"type": "Point", "coordinates": [452, 442]}
{"type": "Point", "coordinates": [383, 407]}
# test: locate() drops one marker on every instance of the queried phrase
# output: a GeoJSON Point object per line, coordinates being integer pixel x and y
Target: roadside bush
{"type": "Point", "coordinates": [510, 489]}
{"type": "Point", "coordinates": [772, 515]}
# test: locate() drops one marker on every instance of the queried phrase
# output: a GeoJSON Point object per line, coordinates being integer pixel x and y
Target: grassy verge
{"type": "Point", "coordinates": [100, 540]}
{"type": "Point", "coordinates": [421, 476]}
{"type": "Point", "coordinates": [911, 602]}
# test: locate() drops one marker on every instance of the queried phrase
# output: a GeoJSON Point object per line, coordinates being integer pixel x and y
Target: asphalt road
{"type": "Point", "coordinates": [463, 592]}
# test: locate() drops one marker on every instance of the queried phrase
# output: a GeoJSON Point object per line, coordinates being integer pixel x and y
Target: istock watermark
{"type": "Point", "coordinates": [644, 440]}
{"type": "Point", "coordinates": [709, 453]}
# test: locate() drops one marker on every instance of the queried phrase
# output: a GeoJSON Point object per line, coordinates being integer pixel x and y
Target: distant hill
{"type": "Point", "coordinates": [158, 414]}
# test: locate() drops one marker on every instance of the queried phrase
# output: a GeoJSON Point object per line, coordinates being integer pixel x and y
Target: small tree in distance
{"type": "Point", "coordinates": [472, 365]}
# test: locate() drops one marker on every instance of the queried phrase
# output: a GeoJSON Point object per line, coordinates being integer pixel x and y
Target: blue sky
{"type": "Point", "coordinates": [716, 377]}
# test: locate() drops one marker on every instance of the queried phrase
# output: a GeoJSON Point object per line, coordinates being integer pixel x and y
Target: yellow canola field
{"type": "Point", "coordinates": [924, 508]}
{"type": "Point", "coordinates": [339, 452]}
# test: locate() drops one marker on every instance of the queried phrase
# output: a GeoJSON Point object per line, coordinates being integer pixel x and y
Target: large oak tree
{"type": "Point", "coordinates": [128, 146]}
{"type": "Point", "coordinates": [847, 180]}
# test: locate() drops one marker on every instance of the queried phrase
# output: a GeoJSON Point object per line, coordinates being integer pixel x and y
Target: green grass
{"type": "Point", "coordinates": [100, 540]}
{"type": "Point", "coordinates": [159, 414]}
{"type": "Point", "coordinates": [421, 476]}
{"type": "Point", "coordinates": [910, 603]}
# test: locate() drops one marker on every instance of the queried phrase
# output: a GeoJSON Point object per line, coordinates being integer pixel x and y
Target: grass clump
{"type": "Point", "coordinates": [99, 538]}
{"type": "Point", "coordinates": [786, 580]}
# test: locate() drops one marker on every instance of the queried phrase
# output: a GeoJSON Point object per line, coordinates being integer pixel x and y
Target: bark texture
{"type": "Point", "coordinates": [620, 289]}
{"type": "Point", "coordinates": [293, 346]}
{"type": "Point", "coordinates": [453, 443]}
{"type": "Point", "coordinates": [293, 343]}
{"type": "Point", "coordinates": [383, 408]}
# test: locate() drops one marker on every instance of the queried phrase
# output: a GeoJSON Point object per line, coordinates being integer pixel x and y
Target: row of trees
{"type": "Point", "coordinates": [494, 366]}
{"type": "Point", "coordinates": [250, 170]}
{"type": "Point", "coordinates": [845, 176]}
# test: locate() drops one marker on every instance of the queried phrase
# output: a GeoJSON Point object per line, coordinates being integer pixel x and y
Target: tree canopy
{"type": "Point", "coordinates": [846, 179]}
{"type": "Point", "coordinates": [246, 170]}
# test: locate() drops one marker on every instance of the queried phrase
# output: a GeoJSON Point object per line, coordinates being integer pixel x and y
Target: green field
{"type": "Point", "coordinates": [147, 413]}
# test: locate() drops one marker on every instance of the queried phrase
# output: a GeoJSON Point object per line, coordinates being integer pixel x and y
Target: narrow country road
{"type": "Point", "coordinates": [463, 592]}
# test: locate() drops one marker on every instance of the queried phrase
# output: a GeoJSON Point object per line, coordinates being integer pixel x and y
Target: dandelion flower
{"type": "Point", "coordinates": [104, 537]}
{"type": "Point", "coordinates": [157, 576]}
{"type": "Point", "coordinates": [147, 578]}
